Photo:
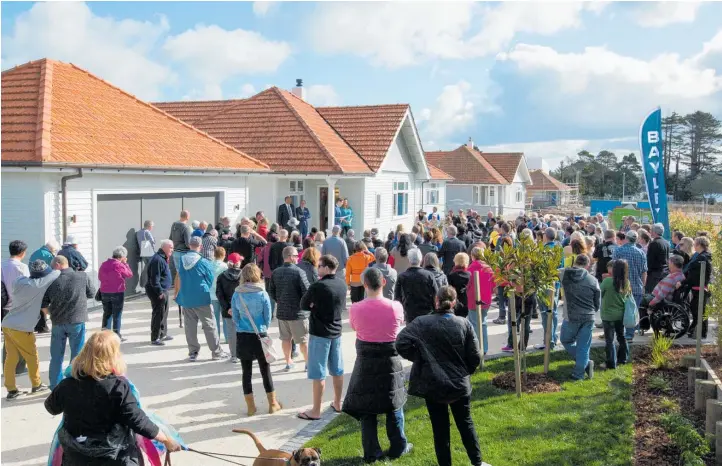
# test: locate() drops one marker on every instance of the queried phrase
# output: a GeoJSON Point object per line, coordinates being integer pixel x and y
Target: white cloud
{"type": "Point", "coordinates": [115, 50]}
{"type": "Point", "coordinates": [247, 90]}
{"type": "Point", "coordinates": [322, 95]}
{"type": "Point", "coordinates": [453, 111]}
{"type": "Point", "coordinates": [261, 9]}
{"type": "Point", "coordinates": [396, 34]}
{"type": "Point", "coordinates": [599, 87]}
{"type": "Point", "coordinates": [661, 14]}
{"type": "Point", "coordinates": [212, 54]}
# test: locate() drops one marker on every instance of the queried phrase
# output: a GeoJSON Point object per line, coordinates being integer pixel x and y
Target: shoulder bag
{"type": "Point", "coordinates": [631, 313]}
{"type": "Point", "coordinates": [266, 343]}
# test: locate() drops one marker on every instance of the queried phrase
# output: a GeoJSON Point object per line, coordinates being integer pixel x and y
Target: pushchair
{"type": "Point", "coordinates": [670, 319]}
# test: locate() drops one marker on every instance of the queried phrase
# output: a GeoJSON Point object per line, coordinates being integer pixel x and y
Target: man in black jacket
{"type": "Point", "coordinates": [603, 254]}
{"type": "Point", "coordinates": [416, 288]}
{"type": "Point", "coordinates": [449, 249]}
{"type": "Point", "coordinates": [275, 255]}
{"type": "Point", "coordinates": [326, 300]}
{"type": "Point", "coordinates": [226, 285]}
{"type": "Point", "coordinates": [657, 257]}
{"type": "Point", "coordinates": [287, 286]}
{"type": "Point", "coordinates": [246, 245]}
{"type": "Point", "coordinates": [157, 288]}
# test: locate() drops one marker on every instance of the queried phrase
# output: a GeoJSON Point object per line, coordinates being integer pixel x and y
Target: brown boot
{"type": "Point", "coordinates": [273, 404]}
{"type": "Point", "coordinates": [251, 403]}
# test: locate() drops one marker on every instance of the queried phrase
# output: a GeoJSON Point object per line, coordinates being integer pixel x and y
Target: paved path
{"type": "Point", "coordinates": [203, 400]}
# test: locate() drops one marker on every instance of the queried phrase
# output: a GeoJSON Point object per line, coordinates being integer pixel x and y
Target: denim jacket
{"type": "Point", "coordinates": [259, 306]}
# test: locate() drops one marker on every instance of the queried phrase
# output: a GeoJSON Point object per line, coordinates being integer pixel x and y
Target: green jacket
{"type": "Point", "coordinates": [612, 302]}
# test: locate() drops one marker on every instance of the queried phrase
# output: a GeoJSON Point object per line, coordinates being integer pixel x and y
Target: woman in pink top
{"type": "Point", "coordinates": [112, 275]}
{"type": "Point", "coordinates": [377, 383]}
{"type": "Point", "coordinates": [486, 285]}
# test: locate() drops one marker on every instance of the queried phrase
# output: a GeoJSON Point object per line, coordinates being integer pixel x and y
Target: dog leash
{"type": "Point", "coordinates": [219, 456]}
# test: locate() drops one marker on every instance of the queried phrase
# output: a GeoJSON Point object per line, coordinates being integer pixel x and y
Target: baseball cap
{"type": "Point", "coordinates": [235, 258]}
{"type": "Point", "coordinates": [71, 239]}
{"type": "Point", "coordinates": [39, 269]}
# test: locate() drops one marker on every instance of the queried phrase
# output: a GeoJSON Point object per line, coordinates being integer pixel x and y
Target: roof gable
{"type": "Point", "coordinates": [506, 164]}
{"type": "Point", "coordinates": [543, 181]}
{"type": "Point", "coordinates": [466, 166]}
{"type": "Point", "coordinates": [369, 129]}
{"type": "Point", "coordinates": [278, 128]}
{"type": "Point", "coordinates": [57, 113]}
{"type": "Point", "coordinates": [439, 174]}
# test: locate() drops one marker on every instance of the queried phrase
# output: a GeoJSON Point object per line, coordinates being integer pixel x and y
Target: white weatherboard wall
{"type": "Point", "coordinates": [461, 196]}
{"type": "Point", "coordinates": [24, 210]}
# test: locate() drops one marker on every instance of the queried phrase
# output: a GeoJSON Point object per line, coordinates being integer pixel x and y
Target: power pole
{"type": "Point", "coordinates": [624, 179]}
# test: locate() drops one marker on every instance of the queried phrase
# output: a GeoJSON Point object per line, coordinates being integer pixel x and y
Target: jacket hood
{"type": "Point", "coordinates": [190, 260]}
{"type": "Point", "coordinates": [250, 287]}
{"type": "Point", "coordinates": [232, 273]}
{"type": "Point", "coordinates": [575, 275]}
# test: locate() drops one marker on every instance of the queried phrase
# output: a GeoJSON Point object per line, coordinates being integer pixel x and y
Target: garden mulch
{"type": "Point", "coordinates": [653, 447]}
{"type": "Point", "coordinates": [535, 383]}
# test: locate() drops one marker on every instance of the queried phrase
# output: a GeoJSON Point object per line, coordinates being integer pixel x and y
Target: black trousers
{"type": "Point", "coordinates": [694, 310]}
{"type": "Point", "coordinates": [439, 415]}
{"type": "Point", "coordinates": [42, 325]}
{"type": "Point", "coordinates": [248, 349]}
{"type": "Point", "coordinates": [159, 316]}
{"type": "Point", "coordinates": [357, 294]}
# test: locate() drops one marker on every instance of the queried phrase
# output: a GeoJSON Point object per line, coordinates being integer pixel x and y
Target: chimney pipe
{"type": "Point", "coordinates": [470, 144]}
{"type": "Point", "coordinates": [299, 90]}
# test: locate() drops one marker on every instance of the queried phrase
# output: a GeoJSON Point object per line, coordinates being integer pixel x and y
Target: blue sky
{"type": "Point", "coordinates": [546, 78]}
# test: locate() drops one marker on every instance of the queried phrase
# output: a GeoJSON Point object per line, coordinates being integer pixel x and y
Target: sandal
{"type": "Point", "coordinates": [306, 417]}
{"type": "Point", "coordinates": [335, 410]}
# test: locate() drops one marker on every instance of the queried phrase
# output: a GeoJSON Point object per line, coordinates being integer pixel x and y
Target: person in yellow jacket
{"type": "Point", "coordinates": [356, 264]}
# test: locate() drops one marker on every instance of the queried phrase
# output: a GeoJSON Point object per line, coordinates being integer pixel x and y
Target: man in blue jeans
{"type": "Point", "coordinates": [582, 299]}
{"type": "Point", "coordinates": [550, 235]}
{"type": "Point", "coordinates": [66, 301]}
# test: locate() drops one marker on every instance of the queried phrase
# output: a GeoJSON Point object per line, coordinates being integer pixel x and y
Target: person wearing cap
{"type": "Point", "coordinates": [76, 261]}
{"type": "Point", "coordinates": [66, 300]}
{"type": "Point", "coordinates": [18, 325]}
{"type": "Point", "coordinates": [226, 285]}
{"type": "Point", "coordinates": [196, 276]}
{"type": "Point", "coordinates": [157, 288]}
{"type": "Point", "coordinates": [637, 261]}
{"type": "Point", "coordinates": [46, 252]}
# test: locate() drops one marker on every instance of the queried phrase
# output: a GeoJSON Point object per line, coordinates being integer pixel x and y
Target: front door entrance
{"type": "Point", "coordinates": [323, 208]}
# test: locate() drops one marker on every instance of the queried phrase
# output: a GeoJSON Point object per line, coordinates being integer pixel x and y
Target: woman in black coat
{"type": "Point", "coordinates": [445, 352]}
{"type": "Point", "coordinates": [377, 383]}
{"type": "Point", "coordinates": [692, 272]}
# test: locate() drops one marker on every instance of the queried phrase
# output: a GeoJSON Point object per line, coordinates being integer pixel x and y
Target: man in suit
{"type": "Point", "coordinates": [285, 212]}
{"type": "Point", "coordinates": [303, 215]}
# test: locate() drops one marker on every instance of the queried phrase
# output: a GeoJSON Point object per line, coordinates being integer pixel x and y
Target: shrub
{"type": "Point", "coordinates": [686, 438]}
{"type": "Point", "coordinates": [660, 348]}
{"type": "Point", "coordinates": [659, 384]}
{"type": "Point", "coordinates": [669, 404]}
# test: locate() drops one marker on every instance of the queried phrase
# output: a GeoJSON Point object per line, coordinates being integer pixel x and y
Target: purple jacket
{"type": "Point", "coordinates": [112, 275]}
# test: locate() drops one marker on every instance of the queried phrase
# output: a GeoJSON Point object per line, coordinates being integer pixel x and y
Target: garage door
{"type": "Point", "coordinates": [120, 216]}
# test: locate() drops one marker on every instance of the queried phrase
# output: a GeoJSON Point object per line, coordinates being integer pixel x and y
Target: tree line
{"type": "Point", "coordinates": [692, 143]}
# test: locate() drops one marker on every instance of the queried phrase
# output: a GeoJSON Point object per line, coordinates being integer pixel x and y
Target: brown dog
{"type": "Point", "coordinates": [300, 457]}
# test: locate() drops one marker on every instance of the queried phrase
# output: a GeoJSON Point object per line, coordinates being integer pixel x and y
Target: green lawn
{"type": "Point", "coordinates": [587, 423]}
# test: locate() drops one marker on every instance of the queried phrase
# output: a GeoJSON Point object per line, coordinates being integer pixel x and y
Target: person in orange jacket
{"type": "Point", "coordinates": [357, 263]}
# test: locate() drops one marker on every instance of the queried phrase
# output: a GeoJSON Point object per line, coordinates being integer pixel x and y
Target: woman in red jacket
{"type": "Point", "coordinates": [112, 275]}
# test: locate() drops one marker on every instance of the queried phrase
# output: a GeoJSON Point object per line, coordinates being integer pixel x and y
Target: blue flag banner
{"type": "Point", "coordinates": [650, 140]}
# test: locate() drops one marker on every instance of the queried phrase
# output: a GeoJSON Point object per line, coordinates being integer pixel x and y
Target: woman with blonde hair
{"type": "Point", "coordinates": [100, 411]}
{"type": "Point", "coordinates": [684, 249]}
{"type": "Point", "coordinates": [251, 308]}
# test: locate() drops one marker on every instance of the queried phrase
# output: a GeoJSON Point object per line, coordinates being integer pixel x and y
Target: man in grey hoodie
{"type": "Point", "coordinates": [582, 299]}
{"type": "Point", "coordinates": [388, 272]}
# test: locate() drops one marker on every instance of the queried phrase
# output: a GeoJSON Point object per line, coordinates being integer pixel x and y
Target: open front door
{"type": "Point", "coordinates": [323, 208]}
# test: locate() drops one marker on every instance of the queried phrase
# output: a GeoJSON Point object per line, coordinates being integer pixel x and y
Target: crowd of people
{"type": "Point", "coordinates": [421, 295]}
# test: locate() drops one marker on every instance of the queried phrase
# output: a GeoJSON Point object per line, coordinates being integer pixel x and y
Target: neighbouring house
{"type": "Point", "coordinates": [434, 191]}
{"type": "Point", "coordinates": [371, 155]}
{"type": "Point", "coordinates": [482, 181]}
{"type": "Point", "coordinates": [547, 191]}
{"type": "Point", "coordinates": [82, 157]}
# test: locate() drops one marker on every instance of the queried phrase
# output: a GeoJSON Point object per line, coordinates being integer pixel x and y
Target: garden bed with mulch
{"type": "Point", "coordinates": [656, 392]}
{"type": "Point", "coordinates": [535, 383]}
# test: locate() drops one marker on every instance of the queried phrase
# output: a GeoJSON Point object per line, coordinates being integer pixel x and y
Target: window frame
{"type": "Point", "coordinates": [377, 206]}
{"type": "Point", "coordinates": [433, 191]}
{"type": "Point", "coordinates": [400, 188]}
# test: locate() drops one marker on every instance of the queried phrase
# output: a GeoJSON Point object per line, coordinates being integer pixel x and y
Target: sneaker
{"type": "Point", "coordinates": [14, 394]}
{"type": "Point", "coordinates": [220, 356]}
{"type": "Point", "coordinates": [499, 321]}
{"type": "Point", "coordinates": [40, 388]}
{"type": "Point", "coordinates": [234, 360]}
{"type": "Point", "coordinates": [122, 339]}
{"type": "Point", "coordinates": [167, 338]}
{"type": "Point", "coordinates": [590, 369]}
{"type": "Point", "coordinates": [289, 367]}
{"type": "Point", "coordinates": [407, 450]}
{"type": "Point", "coordinates": [193, 357]}
{"type": "Point", "coordinates": [508, 349]}
{"type": "Point", "coordinates": [157, 343]}
{"type": "Point", "coordinates": [540, 347]}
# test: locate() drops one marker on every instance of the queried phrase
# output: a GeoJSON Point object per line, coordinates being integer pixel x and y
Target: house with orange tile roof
{"type": "Point", "coordinates": [546, 190]}
{"type": "Point", "coordinates": [484, 181]}
{"type": "Point", "coordinates": [81, 157]}
{"type": "Point", "coordinates": [370, 155]}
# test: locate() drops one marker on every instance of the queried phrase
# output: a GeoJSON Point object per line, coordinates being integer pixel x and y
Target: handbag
{"type": "Point", "coordinates": [98, 295]}
{"type": "Point", "coordinates": [631, 312]}
{"type": "Point", "coordinates": [269, 352]}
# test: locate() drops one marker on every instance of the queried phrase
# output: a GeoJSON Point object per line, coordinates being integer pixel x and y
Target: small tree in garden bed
{"type": "Point", "coordinates": [528, 268]}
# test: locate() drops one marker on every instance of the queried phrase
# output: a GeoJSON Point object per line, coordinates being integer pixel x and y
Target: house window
{"type": "Point", "coordinates": [432, 195]}
{"type": "Point", "coordinates": [476, 195]}
{"type": "Point", "coordinates": [480, 195]}
{"type": "Point", "coordinates": [401, 198]}
{"type": "Point", "coordinates": [518, 195]}
{"type": "Point", "coordinates": [295, 190]}
{"type": "Point", "coordinates": [378, 205]}
{"type": "Point", "coordinates": [492, 195]}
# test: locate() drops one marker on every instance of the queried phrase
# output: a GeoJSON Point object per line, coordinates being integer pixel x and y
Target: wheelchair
{"type": "Point", "coordinates": [670, 319]}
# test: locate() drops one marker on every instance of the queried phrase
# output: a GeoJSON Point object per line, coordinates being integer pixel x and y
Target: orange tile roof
{"type": "Point", "coordinates": [543, 181]}
{"type": "Point", "coordinates": [505, 164]}
{"type": "Point", "coordinates": [466, 166]}
{"type": "Point", "coordinates": [438, 174]}
{"type": "Point", "coordinates": [276, 127]}
{"type": "Point", "coordinates": [369, 129]}
{"type": "Point", "coordinates": [57, 113]}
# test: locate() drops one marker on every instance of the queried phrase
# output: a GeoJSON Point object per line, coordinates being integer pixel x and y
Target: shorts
{"type": "Point", "coordinates": [324, 357]}
{"type": "Point", "coordinates": [296, 330]}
